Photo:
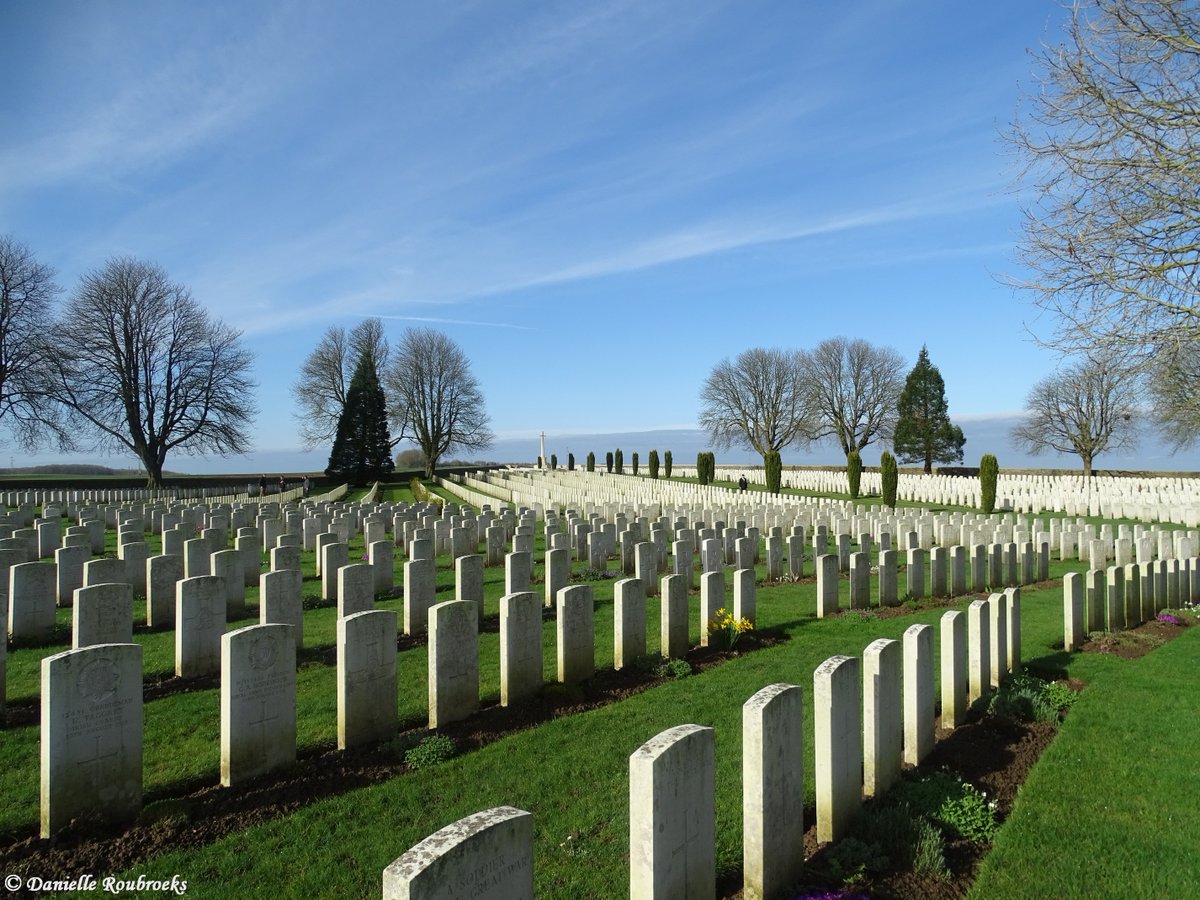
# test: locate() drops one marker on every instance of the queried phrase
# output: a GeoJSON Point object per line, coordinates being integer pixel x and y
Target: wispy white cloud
{"type": "Point", "coordinates": [442, 321]}
{"type": "Point", "coordinates": [152, 97]}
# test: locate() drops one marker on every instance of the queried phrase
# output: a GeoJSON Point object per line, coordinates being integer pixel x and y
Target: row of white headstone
{"type": "Point", "coordinates": [1152, 499]}
{"type": "Point", "coordinates": [866, 727]}
{"type": "Point", "coordinates": [1125, 596]}
{"type": "Point", "coordinates": [91, 722]}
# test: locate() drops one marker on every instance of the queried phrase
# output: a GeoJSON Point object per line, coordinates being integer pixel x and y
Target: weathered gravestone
{"type": "Point", "coordinates": [258, 701]}
{"type": "Point", "coordinates": [468, 580]}
{"type": "Point", "coordinates": [838, 755]}
{"type": "Point", "coordinates": [420, 587]}
{"type": "Point", "coordinates": [629, 622]}
{"type": "Point", "coordinates": [199, 625]}
{"type": "Point", "coordinates": [772, 791]}
{"type": "Point", "coordinates": [382, 557]}
{"type": "Point", "coordinates": [91, 735]}
{"type": "Point", "coordinates": [576, 637]}
{"type": "Point", "coordinates": [105, 571]}
{"type": "Point", "coordinates": [918, 693]}
{"type": "Point", "coordinates": [281, 601]}
{"type": "Point", "coordinates": [366, 677]}
{"type": "Point", "coordinates": [954, 668]}
{"type": "Point", "coordinates": [882, 732]}
{"type": "Point", "coordinates": [453, 661]}
{"type": "Point", "coordinates": [672, 815]}
{"type": "Point", "coordinates": [227, 565]}
{"type": "Point", "coordinates": [488, 855]}
{"type": "Point", "coordinates": [103, 615]}
{"type": "Point", "coordinates": [520, 646]}
{"type": "Point", "coordinates": [162, 573]}
{"type": "Point", "coordinates": [31, 595]}
{"type": "Point", "coordinates": [673, 633]}
{"type": "Point", "coordinates": [355, 589]}
{"type": "Point", "coordinates": [69, 562]}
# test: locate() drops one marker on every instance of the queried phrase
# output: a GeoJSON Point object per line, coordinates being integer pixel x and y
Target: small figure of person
{"type": "Point", "coordinates": [282, 485]}
{"type": "Point", "coordinates": [743, 485]}
{"type": "Point", "coordinates": [262, 485]}
{"type": "Point", "coordinates": [307, 485]}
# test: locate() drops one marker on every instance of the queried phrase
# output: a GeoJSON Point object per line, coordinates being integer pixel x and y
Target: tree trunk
{"type": "Point", "coordinates": [430, 465]}
{"type": "Point", "coordinates": [154, 476]}
{"type": "Point", "coordinates": [1087, 466]}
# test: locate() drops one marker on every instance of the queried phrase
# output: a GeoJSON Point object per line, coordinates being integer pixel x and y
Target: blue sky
{"type": "Point", "coordinates": [598, 201]}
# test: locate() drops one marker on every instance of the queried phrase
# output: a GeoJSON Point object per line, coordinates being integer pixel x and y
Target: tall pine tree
{"type": "Point", "coordinates": [362, 451]}
{"type": "Point", "coordinates": [924, 432]}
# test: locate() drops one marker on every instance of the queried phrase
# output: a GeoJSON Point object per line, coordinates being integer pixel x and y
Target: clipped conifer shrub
{"type": "Point", "coordinates": [854, 473]}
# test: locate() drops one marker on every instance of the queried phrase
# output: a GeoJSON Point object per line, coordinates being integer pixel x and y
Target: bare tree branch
{"type": "Point", "coordinates": [756, 401]}
{"type": "Point", "coordinates": [1087, 408]}
{"type": "Point", "coordinates": [139, 364]}
{"type": "Point", "coordinates": [434, 399]}
{"type": "Point", "coordinates": [1111, 147]}
{"type": "Point", "coordinates": [321, 388]}
{"type": "Point", "coordinates": [27, 295]}
{"type": "Point", "coordinates": [853, 388]}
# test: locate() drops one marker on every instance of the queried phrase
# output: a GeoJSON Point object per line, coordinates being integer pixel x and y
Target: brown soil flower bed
{"type": "Point", "coordinates": [1134, 643]}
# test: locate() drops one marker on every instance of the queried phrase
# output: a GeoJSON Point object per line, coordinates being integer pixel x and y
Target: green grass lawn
{"type": "Point", "coordinates": [572, 773]}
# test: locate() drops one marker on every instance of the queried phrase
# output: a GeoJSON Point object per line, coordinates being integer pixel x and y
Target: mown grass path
{"type": "Point", "coordinates": [1110, 810]}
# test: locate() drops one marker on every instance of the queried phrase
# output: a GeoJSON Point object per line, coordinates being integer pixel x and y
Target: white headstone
{"type": "Point", "coordinates": [258, 701]}
{"type": "Point", "coordinates": [91, 737]}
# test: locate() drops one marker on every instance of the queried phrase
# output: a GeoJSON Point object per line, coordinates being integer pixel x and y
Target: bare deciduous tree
{"type": "Point", "coordinates": [137, 363]}
{"type": "Point", "coordinates": [1086, 408]}
{"type": "Point", "coordinates": [1111, 146]}
{"type": "Point", "coordinates": [755, 402]}
{"type": "Point", "coordinates": [852, 389]}
{"type": "Point", "coordinates": [27, 294]}
{"type": "Point", "coordinates": [320, 390]}
{"type": "Point", "coordinates": [1171, 386]}
{"type": "Point", "coordinates": [434, 399]}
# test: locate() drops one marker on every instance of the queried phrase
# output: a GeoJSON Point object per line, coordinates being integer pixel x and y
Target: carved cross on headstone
{"type": "Point", "coordinates": [94, 762]}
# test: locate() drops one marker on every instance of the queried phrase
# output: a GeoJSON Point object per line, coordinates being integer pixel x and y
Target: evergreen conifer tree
{"type": "Point", "coordinates": [924, 432]}
{"type": "Point", "coordinates": [362, 451]}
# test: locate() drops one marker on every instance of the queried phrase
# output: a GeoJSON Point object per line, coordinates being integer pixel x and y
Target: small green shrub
{"type": "Point", "coordinates": [1026, 698]}
{"type": "Point", "coordinates": [647, 663]}
{"type": "Point", "coordinates": [570, 462]}
{"type": "Point", "coordinates": [430, 751]}
{"type": "Point", "coordinates": [854, 473]}
{"type": "Point", "coordinates": [553, 461]}
{"type": "Point", "coordinates": [959, 809]}
{"type": "Point", "coordinates": [314, 601]}
{"type": "Point", "coordinates": [890, 479]}
{"type": "Point", "coordinates": [619, 462]}
{"type": "Point", "coordinates": [989, 474]}
{"type": "Point", "coordinates": [667, 462]}
{"type": "Point", "coordinates": [890, 827]}
{"type": "Point", "coordinates": [635, 463]}
{"type": "Point", "coordinates": [850, 860]}
{"type": "Point", "coordinates": [675, 668]}
{"type": "Point", "coordinates": [652, 464]}
{"type": "Point", "coordinates": [929, 852]}
{"type": "Point", "coordinates": [591, 462]}
{"type": "Point", "coordinates": [608, 460]}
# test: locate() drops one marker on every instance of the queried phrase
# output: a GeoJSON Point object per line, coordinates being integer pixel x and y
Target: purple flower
{"type": "Point", "coordinates": [1169, 619]}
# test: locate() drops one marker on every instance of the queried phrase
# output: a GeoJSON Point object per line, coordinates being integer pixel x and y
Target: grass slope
{"type": "Point", "coordinates": [1102, 813]}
